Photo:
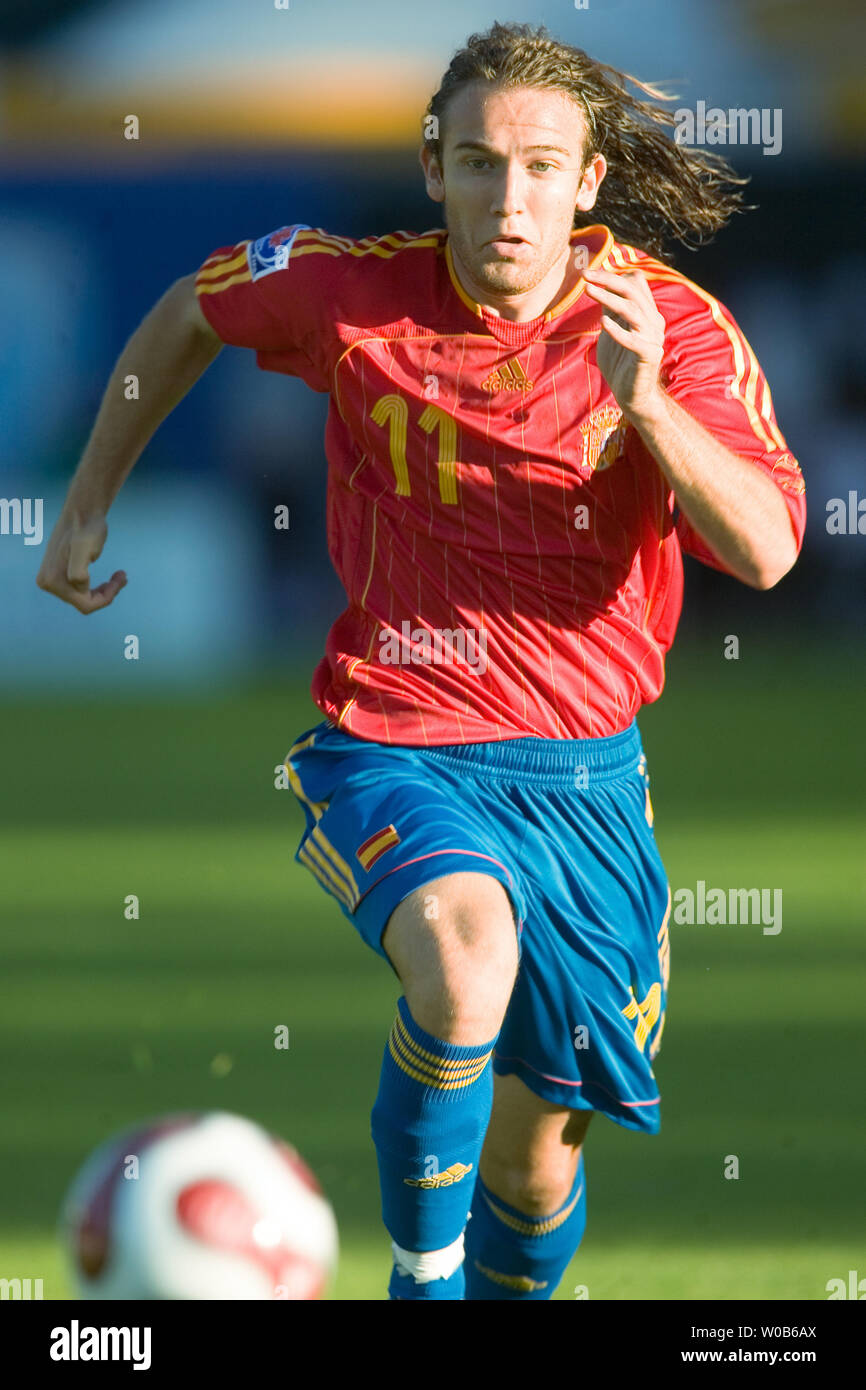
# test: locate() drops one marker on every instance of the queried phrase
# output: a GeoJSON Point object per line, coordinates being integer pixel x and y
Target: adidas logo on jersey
{"type": "Point", "coordinates": [509, 377]}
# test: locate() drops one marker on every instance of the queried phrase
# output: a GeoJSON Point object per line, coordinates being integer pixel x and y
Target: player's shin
{"type": "Point", "coordinates": [428, 1126]}
{"type": "Point", "coordinates": [510, 1255]}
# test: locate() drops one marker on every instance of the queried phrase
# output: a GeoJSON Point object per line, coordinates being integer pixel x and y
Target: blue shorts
{"type": "Point", "coordinates": [565, 825]}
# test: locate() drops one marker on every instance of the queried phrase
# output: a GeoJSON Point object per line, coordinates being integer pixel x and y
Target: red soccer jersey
{"type": "Point", "coordinates": [507, 544]}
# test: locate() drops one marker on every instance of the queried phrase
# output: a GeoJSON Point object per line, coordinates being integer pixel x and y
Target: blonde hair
{"type": "Point", "coordinates": [655, 189]}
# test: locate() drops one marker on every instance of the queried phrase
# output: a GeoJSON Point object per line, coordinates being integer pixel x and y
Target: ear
{"type": "Point", "coordinates": [432, 174]}
{"type": "Point", "coordinates": [593, 176]}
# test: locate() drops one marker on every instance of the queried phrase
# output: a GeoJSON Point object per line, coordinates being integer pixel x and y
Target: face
{"type": "Point", "coordinates": [510, 180]}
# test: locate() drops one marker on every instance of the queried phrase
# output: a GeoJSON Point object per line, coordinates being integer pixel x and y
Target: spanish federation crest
{"type": "Point", "coordinates": [603, 434]}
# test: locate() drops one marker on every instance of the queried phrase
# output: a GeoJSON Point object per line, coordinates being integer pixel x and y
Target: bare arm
{"type": "Point", "coordinates": [735, 508]}
{"type": "Point", "coordinates": [168, 353]}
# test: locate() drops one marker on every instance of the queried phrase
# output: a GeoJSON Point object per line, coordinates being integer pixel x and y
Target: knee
{"type": "Point", "coordinates": [453, 944]}
{"type": "Point", "coordinates": [535, 1191]}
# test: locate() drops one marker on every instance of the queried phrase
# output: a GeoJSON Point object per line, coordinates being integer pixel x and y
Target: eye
{"type": "Point", "coordinates": [475, 160]}
{"type": "Point", "coordinates": [544, 164]}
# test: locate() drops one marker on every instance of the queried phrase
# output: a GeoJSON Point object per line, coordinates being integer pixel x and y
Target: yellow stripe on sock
{"type": "Point", "coordinates": [428, 1076]}
{"type": "Point", "coordinates": [421, 1055]}
{"type": "Point", "coordinates": [534, 1228]}
{"type": "Point", "coordinates": [522, 1282]}
{"type": "Point", "coordinates": [438, 1075]}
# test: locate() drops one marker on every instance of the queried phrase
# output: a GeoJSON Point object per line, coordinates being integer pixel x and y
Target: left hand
{"type": "Point", "coordinates": [631, 345]}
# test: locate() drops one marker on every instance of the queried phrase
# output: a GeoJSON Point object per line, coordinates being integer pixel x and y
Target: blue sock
{"type": "Point", "coordinates": [512, 1255]}
{"type": "Point", "coordinates": [428, 1126]}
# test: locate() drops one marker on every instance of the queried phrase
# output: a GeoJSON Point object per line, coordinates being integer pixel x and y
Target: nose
{"type": "Point", "coordinates": [509, 195]}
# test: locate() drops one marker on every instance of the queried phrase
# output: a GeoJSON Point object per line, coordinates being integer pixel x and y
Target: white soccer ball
{"type": "Point", "coordinates": [198, 1206]}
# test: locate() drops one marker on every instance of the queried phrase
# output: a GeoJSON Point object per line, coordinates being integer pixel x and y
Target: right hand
{"type": "Point", "coordinates": [73, 546]}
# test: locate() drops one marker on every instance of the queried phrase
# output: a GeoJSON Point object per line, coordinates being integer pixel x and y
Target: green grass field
{"type": "Point", "coordinates": [757, 771]}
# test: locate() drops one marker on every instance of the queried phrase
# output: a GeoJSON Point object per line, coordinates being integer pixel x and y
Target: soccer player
{"type": "Point", "coordinates": [532, 414]}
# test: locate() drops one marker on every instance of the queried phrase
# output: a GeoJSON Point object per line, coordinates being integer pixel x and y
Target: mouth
{"type": "Point", "coordinates": [506, 245]}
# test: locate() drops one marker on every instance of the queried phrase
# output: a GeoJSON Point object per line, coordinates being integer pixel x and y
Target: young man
{"type": "Point", "coordinates": [529, 420]}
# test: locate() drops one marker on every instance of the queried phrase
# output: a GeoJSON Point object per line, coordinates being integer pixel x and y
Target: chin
{"type": "Point", "coordinates": [504, 278]}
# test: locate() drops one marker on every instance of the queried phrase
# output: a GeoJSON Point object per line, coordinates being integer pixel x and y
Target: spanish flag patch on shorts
{"type": "Point", "coordinates": [377, 845]}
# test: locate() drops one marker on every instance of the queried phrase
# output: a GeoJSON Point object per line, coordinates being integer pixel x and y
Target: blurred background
{"type": "Point", "coordinates": [155, 776]}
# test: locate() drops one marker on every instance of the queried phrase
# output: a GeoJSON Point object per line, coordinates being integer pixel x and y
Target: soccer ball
{"type": "Point", "coordinates": [198, 1206]}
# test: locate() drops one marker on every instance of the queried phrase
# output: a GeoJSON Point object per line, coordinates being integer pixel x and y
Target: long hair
{"type": "Point", "coordinates": [655, 189]}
